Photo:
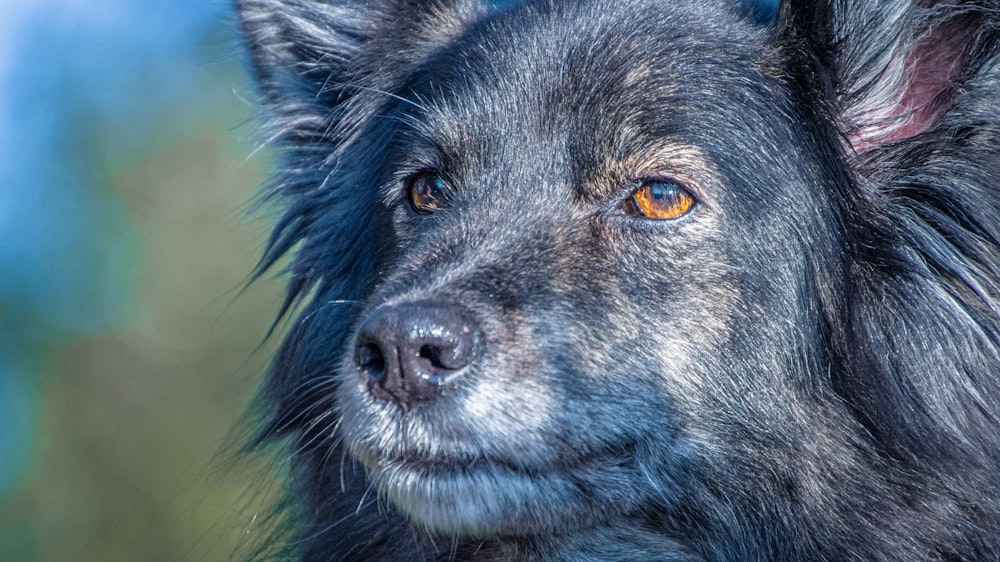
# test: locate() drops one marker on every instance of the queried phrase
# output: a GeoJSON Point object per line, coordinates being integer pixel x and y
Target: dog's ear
{"type": "Point", "coordinates": [296, 46]}
{"type": "Point", "coordinates": [321, 51]}
{"type": "Point", "coordinates": [890, 69]}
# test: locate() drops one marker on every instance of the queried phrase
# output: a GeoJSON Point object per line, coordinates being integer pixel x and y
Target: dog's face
{"type": "Point", "coordinates": [585, 235]}
{"type": "Point", "coordinates": [604, 279]}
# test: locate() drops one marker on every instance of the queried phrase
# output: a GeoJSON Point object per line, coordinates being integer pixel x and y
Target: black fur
{"type": "Point", "coordinates": [803, 367]}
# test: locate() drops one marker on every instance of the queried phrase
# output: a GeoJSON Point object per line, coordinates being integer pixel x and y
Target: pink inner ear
{"type": "Point", "coordinates": [922, 94]}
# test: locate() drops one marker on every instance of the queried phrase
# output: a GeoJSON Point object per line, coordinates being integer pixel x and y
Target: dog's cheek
{"type": "Point", "coordinates": [633, 335]}
{"type": "Point", "coordinates": [676, 293]}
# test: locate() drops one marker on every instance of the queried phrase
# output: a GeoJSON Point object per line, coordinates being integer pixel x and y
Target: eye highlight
{"type": "Point", "coordinates": [660, 200]}
{"type": "Point", "coordinates": [427, 192]}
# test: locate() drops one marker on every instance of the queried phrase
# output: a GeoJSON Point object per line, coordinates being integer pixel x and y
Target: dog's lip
{"type": "Point", "coordinates": [465, 464]}
{"type": "Point", "coordinates": [423, 462]}
{"type": "Point", "coordinates": [444, 464]}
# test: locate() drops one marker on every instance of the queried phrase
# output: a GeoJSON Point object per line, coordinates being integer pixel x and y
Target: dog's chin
{"type": "Point", "coordinates": [495, 498]}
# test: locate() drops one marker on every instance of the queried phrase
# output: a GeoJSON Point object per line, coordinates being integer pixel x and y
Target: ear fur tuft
{"type": "Point", "coordinates": [890, 72]}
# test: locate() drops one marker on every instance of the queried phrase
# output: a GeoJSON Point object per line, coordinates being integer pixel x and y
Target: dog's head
{"type": "Point", "coordinates": [567, 260]}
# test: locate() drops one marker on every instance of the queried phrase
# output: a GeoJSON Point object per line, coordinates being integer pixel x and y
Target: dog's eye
{"type": "Point", "coordinates": [660, 200]}
{"type": "Point", "coordinates": [427, 191]}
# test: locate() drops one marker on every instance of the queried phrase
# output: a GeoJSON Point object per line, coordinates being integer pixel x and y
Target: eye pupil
{"type": "Point", "coordinates": [427, 192]}
{"type": "Point", "coordinates": [660, 201]}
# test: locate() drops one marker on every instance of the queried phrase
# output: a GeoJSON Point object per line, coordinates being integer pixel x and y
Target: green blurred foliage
{"type": "Point", "coordinates": [130, 459]}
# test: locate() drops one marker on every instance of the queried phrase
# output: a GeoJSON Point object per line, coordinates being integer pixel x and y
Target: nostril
{"type": "Point", "coordinates": [369, 357]}
{"type": "Point", "coordinates": [432, 353]}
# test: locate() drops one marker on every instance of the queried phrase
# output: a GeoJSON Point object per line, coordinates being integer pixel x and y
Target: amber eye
{"type": "Point", "coordinates": [660, 200]}
{"type": "Point", "coordinates": [427, 191]}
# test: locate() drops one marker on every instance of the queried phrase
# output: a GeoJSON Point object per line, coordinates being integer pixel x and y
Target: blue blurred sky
{"type": "Point", "coordinates": [67, 259]}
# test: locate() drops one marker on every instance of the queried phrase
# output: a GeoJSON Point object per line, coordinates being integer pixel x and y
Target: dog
{"type": "Point", "coordinates": [634, 280]}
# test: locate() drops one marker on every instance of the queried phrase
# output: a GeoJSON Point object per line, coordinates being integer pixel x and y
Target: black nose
{"type": "Point", "coordinates": [407, 351]}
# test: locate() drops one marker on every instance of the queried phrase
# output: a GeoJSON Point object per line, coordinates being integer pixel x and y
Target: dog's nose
{"type": "Point", "coordinates": [407, 351]}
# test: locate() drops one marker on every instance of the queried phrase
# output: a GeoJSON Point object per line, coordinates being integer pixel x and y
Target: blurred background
{"type": "Point", "coordinates": [128, 351]}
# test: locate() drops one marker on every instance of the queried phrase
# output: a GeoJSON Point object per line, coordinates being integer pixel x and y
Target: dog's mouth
{"type": "Point", "coordinates": [444, 464]}
{"type": "Point", "coordinates": [489, 496]}
{"type": "Point", "coordinates": [432, 466]}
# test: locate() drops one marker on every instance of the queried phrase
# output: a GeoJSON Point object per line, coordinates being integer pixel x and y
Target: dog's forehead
{"type": "Point", "coordinates": [586, 71]}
